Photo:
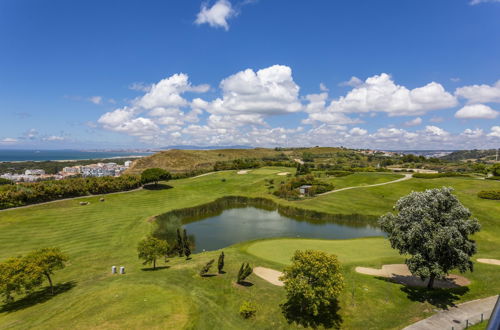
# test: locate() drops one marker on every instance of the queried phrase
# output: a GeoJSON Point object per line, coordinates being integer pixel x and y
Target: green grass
{"type": "Point", "coordinates": [350, 251]}
{"type": "Point", "coordinates": [362, 179]}
{"type": "Point", "coordinates": [100, 235]}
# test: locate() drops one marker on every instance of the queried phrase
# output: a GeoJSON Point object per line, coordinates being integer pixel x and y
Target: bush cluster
{"type": "Point", "coordinates": [489, 194]}
{"type": "Point", "coordinates": [289, 190]}
{"type": "Point", "coordinates": [44, 191]}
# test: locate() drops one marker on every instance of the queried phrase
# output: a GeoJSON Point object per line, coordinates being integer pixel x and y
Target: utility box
{"type": "Point", "coordinates": [122, 270]}
{"type": "Point", "coordinates": [113, 270]}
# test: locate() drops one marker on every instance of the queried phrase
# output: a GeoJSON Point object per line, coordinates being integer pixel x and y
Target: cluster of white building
{"type": "Point", "coordinates": [92, 170]}
{"type": "Point", "coordinates": [96, 170]}
{"type": "Point", "coordinates": [28, 176]}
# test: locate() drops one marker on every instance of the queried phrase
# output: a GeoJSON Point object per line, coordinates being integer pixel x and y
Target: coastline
{"type": "Point", "coordinates": [71, 160]}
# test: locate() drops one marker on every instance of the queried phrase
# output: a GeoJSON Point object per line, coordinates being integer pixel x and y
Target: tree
{"type": "Point", "coordinates": [313, 283]}
{"type": "Point", "coordinates": [220, 262]}
{"type": "Point", "coordinates": [433, 227]}
{"type": "Point", "coordinates": [154, 175]}
{"type": "Point", "coordinates": [18, 276]}
{"type": "Point", "coordinates": [150, 249]}
{"type": "Point", "coordinates": [206, 268]}
{"type": "Point", "coordinates": [495, 170]}
{"type": "Point", "coordinates": [180, 243]}
{"type": "Point", "coordinates": [187, 248]}
{"type": "Point", "coordinates": [47, 260]}
{"type": "Point", "coordinates": [243, 273]}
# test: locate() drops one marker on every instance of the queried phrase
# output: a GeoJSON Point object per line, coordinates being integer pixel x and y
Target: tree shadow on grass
{"type": "Point", "coordinates": [245, 284]}
{"type": "Point", "coordinates": [159, 186]}
{"type": "Point", "coordinates": [328, 317]}
{"type": "Point", "coordinates": [149, 269]}
{"type": "Point", "coordinates": [441, 298]}
{"type": "Point", "coordinates": [37, 297]}
{"type": "Point", "coordinates": [208, 275]}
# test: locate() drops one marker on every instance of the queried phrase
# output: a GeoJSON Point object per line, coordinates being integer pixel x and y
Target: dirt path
{"type": "Point", "coordinates": [268, 274]}
{"type": "Point", "coordinates": [456, 317]}
{"type": "Point", "coordinates": [406, 177]}
{"type": "Point", "coordinates": [67, 199]}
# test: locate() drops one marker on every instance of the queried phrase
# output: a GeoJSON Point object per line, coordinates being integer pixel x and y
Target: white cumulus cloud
{"type": "Point", "coordinates": [480, 93]}
{"type": "Point", "coordinates": [476, 111]}
{"type": "Point", "coordinates": [217, 15]}
{"type": "Point", "coordinates": [495, 132]}
{"type": "Point", "coordinates": [414, 122]}
{"type": "Point", "coordinates": [268, 91]}
{"type": "Point", "coordinates": [380, 94]}
{"type": "Point", "coordinates": [477, 2]}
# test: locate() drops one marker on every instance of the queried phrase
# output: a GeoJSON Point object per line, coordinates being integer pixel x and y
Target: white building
{"type": "Point", "coordinates": [34, 172]}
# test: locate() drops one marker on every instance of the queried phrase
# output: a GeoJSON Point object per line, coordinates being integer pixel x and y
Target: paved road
{"type": "Point", "coordinates": [406, 177]}
{"type": "Point", "coordinates": [456, 316]}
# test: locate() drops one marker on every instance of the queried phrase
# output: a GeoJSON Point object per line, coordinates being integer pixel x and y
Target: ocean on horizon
{"type": "Point", "coordinates": [44, 155]}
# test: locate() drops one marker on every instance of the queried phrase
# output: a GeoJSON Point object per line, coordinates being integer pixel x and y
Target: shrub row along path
{"type": "Point", "coordinates": [457, 316]}
{"type": "Point", "coordinates": [406, 177]}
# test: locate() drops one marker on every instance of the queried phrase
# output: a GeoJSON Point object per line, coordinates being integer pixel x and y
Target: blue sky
{"type": "Point", "coordinates": [415, 74]}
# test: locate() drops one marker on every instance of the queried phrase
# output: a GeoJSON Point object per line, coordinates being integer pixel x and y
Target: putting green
{"type": "Point", "coordinates": [361, 251]}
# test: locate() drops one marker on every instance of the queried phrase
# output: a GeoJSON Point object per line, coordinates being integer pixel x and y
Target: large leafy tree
{"type": "Point", "coordinates": [155, 175]}
{"type": "Point", "coordinates": [313, 283]}
{"type": "Point", "coordinates": [433, 228]}
{"type": "Point", "coordinates": [18, 276]}
{"type": "Point", "coordinates": [47, 260]}
{"type": "Point", "coordinates": [150, 249]}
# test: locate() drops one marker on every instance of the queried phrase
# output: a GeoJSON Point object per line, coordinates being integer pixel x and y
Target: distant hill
{"type": "Point", "coordinates": [475, 154]}
{"type": "Point", "coordinates": [178, 161]}
{"type": "Point", "coordinates": [190, 147]}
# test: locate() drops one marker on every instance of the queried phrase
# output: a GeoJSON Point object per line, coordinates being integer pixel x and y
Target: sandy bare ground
{"type": "Point", "coordinates": [242, 172]}
{"type": "Point", "coordinates": [399, 273]}
{"type": "Point", "coordinates": [406, 177]}
{"type": "Point", "coordinates": [300, 161]}
{"type": "Point", "coordinates": [268, 274]}
{"type": "Point", "coordinates": [283, 173]}
{"type": "Point", "coordinates": [489, 261]}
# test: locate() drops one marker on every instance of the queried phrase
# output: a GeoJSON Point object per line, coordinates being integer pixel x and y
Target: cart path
{"type": "Point", "coordinates": [406, 177]}
{"type": "Point", "coordinates": [457, 316]}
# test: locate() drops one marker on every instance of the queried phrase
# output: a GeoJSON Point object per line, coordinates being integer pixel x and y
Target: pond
{"type": "Point", "coordinates": [244, 224]}
{"type": "Point", "coordinates": [228, 221]}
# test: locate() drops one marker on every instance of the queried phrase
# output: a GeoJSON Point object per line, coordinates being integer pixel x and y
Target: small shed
{"type": "Point", "coordinates": [304, 189]}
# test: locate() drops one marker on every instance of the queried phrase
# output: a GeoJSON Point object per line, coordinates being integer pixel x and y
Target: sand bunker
{"type": "Point", "coordinates": [400, 273]}
{"type": "Point", "coordinates": [489, 261]}
{"type": "Point", "coordinates": [283, 173]}
{"type": "Point", "coordinates": [268, 274]}
{"type": "Point", "coordinates": [242, 172]}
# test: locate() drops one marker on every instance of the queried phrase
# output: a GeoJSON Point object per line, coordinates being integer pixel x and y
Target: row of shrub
{"type": "Point", "coordinates": [245, 163]}
{"type": "Point", "coordinates": [437, 175]}
{"type": "Point", "coordinates": [45, 191]}
{"type": "Point", "coordinates": [489, 194]}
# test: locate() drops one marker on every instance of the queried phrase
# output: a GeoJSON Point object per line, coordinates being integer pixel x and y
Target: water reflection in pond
{"type": "Point", "coordinates": [243, 224]}
{"type": "Point", "coordinates": [234, 219]}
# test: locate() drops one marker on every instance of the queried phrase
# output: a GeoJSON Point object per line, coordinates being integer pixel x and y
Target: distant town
{"type": "Point", "coordinates": [91, 170]}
